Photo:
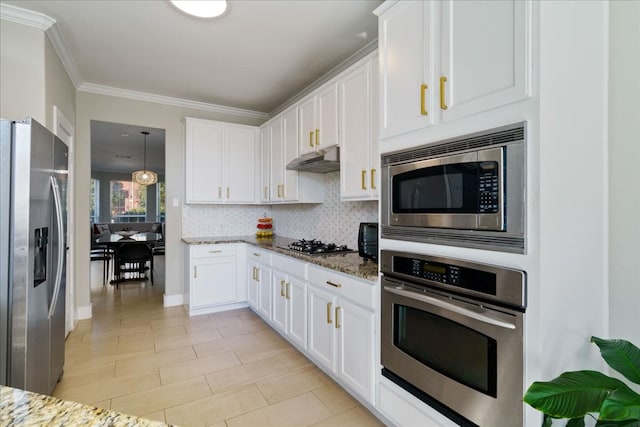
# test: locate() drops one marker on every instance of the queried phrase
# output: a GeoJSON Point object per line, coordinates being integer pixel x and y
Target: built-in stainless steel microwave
{"type": "Point", "coordinates": [468, 191]}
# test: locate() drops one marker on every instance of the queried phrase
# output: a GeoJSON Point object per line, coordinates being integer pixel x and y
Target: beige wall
{"type": "Point", "coordinates": [22, 72]}
{"type": "Point", "coordinates": [171, 119]}
{"type": "Point", "coordinates": [624, 181]}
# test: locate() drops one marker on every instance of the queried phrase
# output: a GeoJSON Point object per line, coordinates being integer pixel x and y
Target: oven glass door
{"type": "Point", "coordinates": [450, 348]}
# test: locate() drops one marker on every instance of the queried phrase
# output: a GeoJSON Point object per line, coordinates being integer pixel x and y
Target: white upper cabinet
{"type": "Point", "coordinates": [318, 115]}
{"type": "Point", "coordinates": [217, 159]}
{"type": "Point", "coordinates": [482, 55]}
{"type": "Point", "coordinates": [358, 139]}
{"type": "Point", "coordinates": [406, 68]}
{"type": "Point", "coordinates": [444, 60]}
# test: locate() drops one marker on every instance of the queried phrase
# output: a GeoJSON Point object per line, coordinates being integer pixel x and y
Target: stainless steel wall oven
{"type": "Point", "coordinates": [452, 335]}
{"type": "Point", "coordinates": [467, 191]}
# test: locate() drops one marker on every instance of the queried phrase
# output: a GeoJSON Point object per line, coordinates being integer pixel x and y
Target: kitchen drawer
{"type": "Point", "coordinates": [258, 255]}
{"type": "Point", "coordinates": [290, 265]}
{"type": "Point", "coordinates": [207, 251]}
{"type": "Point", "coordinates": [359, 291]}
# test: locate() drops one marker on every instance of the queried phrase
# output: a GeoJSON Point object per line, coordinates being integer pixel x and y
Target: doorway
{"type": "Point", "coordinates": [117, 201]}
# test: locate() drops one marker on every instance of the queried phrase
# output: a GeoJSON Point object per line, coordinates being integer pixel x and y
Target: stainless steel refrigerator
{"type": "Point", "coordinates": [33, 218]}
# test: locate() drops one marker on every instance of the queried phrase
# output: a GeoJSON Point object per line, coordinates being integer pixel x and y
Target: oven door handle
{"type": "Point", "coordinates": [451, 307]}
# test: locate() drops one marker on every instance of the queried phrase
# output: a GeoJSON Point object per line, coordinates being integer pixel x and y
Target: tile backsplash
{"type": "Point", "coordinates": [332, 221]}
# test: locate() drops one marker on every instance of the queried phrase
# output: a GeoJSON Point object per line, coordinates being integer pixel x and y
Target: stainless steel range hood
{"type": "Point", "coordinates": [327, 160]}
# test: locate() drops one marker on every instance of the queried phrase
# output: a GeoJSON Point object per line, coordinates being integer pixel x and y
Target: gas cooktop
{"type": "Point", "coordinates": [316, 247]}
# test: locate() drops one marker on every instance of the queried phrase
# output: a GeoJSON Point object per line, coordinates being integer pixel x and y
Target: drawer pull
{"type": "Point", "coordinates": [266, 192]}
{"type": "Point", "coordinates": [219, 192]}
{"type": "Point", "coordinates": [335, 285]}
{"type": "Point", "coordinates": [337, 318]}
{"type": "Point", "coordinates": [329, 313]}
{"type": "Point", "coordinates": [311, 139]}
{"type": "Point", "coordinates": [317, 136]}
{"type": "Point", "coordinates": [373, 179]}
{"type": "Point", "coordinates": [215, 252]}
{"type": "Point", "coordinates": [288, 290]}
{"type": "Point", "coordinates": [443, 104]}
{"type": "Point", "coordinates": [256, 254]}
{"type": "Point", "coordinates": [282, 283]}
{"type": "Point", "coordinates": [195, 271]}
{"type": "Point", "coordinates": [423, 93]}
{"type": "Point", "coordinates": [363, 178]}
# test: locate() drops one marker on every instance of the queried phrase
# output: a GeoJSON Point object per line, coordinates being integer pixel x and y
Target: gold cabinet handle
{"type": "Point", "coordinates": [278, 190]}
{"type": "Point", "coordinates": [215, 252]}
{"type": "Point", "coordinates": [329, 321]}
{"type": "Point", "coordinates": [311, 139]}
{"type": "Point", "coordinates": [284, 193]}
{"type": "Point", "coordinates": [219, 192]}
{"type": "Point", "coordinates": [442, 97]}
{"type": "Point", "coordinates": [195, 271]}
{"type": "Point", "coordinates": [282, 283]}
{"type": "Point", "coordinates": [363, 178]}
{"type": "Point", "coordinates": [423, 95]}
{"type": "Point", "coordinates": [228, 192]}
{"type": "Point", "coordinates": [317, 136]}
{"type": "Point", "coordinates": [256, 254]}
{"type": "Point", "coordinates": [373, 179]}
{"type": "Point", "coordinates": [335, 285]}
{"type": "Point", "coordinates": [337, 318]}
{"type": "Point", "coordinates": [254, 274]}
{"type": "Point", "coordinates": [266, 192]}
{"type": "Point", "coordinates": [288, 290]}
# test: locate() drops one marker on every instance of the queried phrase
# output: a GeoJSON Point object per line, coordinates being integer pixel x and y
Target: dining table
{"type": "Point", "coordinates": [115, 240]}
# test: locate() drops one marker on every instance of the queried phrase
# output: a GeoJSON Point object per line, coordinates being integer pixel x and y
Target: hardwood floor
{"type": "Point", "coordinates": [224, 369]}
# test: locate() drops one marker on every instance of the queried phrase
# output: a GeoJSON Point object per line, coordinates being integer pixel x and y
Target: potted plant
{"type": "Point", "coordinates": [579, 394]}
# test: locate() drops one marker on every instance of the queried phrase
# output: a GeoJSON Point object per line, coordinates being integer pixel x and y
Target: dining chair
{"type": "Point", "coordinates": [133, 258]}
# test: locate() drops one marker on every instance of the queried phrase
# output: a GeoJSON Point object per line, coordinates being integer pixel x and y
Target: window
{"type": "Point", "coordinates": [128, 201]}
{"type": "Point", "coordinates": [94, 201]}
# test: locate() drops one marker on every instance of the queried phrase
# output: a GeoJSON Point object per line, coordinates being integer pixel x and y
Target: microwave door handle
{"type": "Point", "coordinates": [451, 307]}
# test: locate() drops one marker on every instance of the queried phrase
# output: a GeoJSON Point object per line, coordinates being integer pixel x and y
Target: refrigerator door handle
{"type": "Point", "coordinates": [61, 252]}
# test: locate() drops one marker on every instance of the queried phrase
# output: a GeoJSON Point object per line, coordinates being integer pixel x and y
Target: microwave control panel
{"type": "Point", "coordinates": [488, 187]}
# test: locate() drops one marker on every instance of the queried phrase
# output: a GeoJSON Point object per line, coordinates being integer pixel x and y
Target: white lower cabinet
{"type": "Point", "coordinates": [342, 333]}
{"type": "Point", "coordinates": [289, 314]}
{"type": "Point", "coordinates": [214, 278]}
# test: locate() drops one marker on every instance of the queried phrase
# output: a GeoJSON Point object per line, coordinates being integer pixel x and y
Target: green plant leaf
{"type": "Point", "coordinates": [628, 423]}
{"type": "Point", "coordinates": [622, 356]}
{"type": "Point", "coordinates": [572, 394]}
{"type": "Point", "coordinates": [622, 404]}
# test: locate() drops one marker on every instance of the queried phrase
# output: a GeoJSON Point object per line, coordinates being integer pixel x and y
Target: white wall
{"type": "Point", "coordinates": [22, 72]}
{"type": "Point", "coordinates": [573, 184]}
{"type": "Point", "coordinates": [120, 110]}
{"type": "Point", "coordinates": [624, 173]}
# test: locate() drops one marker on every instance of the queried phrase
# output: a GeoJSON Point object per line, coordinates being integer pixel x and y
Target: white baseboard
{"type": "Point", "coordinates": [173, 300]}
{"type": "Point", "coordinates": [84, 312]}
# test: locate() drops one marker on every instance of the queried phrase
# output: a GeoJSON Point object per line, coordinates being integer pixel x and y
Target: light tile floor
{"type": "Point", "coordinates": [223, 369]}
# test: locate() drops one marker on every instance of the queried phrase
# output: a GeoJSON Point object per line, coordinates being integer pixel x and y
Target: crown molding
{"type": "Point", "coordinates": [167, 100]}
{"type": "Point", "coordinates": [69, 64]}
{"type": "Point", "coordinates": [25, 17]}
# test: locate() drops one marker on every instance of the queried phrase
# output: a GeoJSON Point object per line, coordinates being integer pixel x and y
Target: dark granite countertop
{"type": "Point", "coordinates": [24, 408]}
{"type": "Point", "coordinates": [348, 263]}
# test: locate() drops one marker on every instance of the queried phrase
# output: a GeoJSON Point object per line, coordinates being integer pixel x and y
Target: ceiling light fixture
{"type": "Point", "coordinates": [201, 8]}
{"type": "Point", "coordinates": [144, 177]}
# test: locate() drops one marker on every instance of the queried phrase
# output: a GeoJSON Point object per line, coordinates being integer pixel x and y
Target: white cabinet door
{"type": "Point", "coordinates": [355, 327]}
{"type": "Point", "coordinates": [296, 295]}
{"type": "Point", "coordinates": [482, 55]}
{"type": "Point", "coordinates": [204, 149]}
{"type": "Point", "coordinates": [263, 274]}
{"type": "Point", "coordinates": [240, 163]}
{"type": "Point", "coordinates": [357, 175]}
{"type": "Point", "coordinates": [214, 281]}
{"type": "Point", "coordinates": [307, 125]}
{"type": "Point", "coordinates": [276, 157]}
{"type": "Point", "coordinates": [253, 285]}
{"type": "Point", "coordinates": [405, 50]}
{"type": "Point", "coordinates": [265, 162]}
{"type": "Point", "coordinates": [290, 188]}
{"type": "Point", "coordinates": [321, 343]}
{"type": "Point", "coordinates": [279, 311]}
{"type": "Point", "coordinates": [326, 133]}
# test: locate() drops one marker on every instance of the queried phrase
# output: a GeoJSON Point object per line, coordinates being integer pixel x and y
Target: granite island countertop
{"type": "Point", "coordinates": [349, 263]}
{"type": "Point", "coordinates": [25, 408]}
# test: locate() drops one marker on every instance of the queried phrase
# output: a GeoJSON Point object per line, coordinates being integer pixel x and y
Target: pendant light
{"type": "Point", "coordinates": [144, 176]}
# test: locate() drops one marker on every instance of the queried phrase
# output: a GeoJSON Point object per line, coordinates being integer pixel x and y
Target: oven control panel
{"type": "Point", "coordinates": [501, 285]}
